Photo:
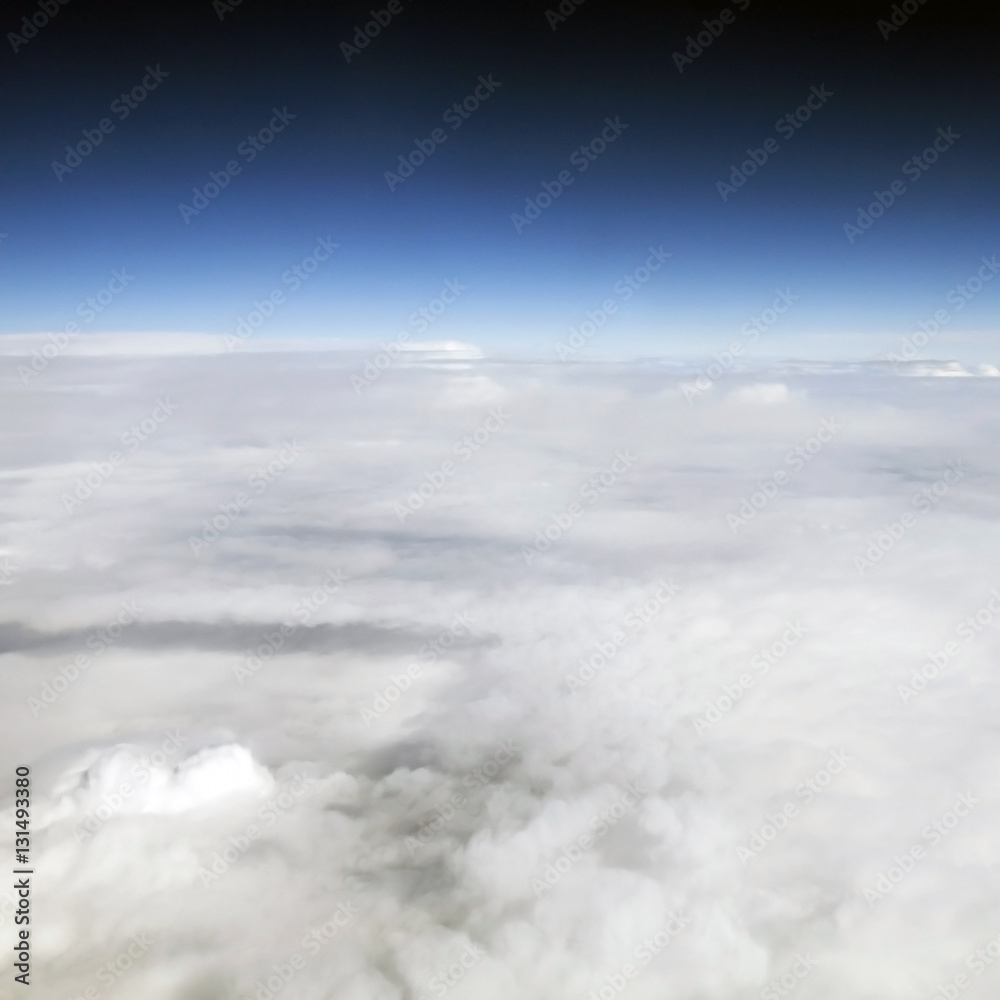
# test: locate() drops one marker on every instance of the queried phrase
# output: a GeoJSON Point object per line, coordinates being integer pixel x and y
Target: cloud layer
{"type": "Point", "coordinates": [494, 679]}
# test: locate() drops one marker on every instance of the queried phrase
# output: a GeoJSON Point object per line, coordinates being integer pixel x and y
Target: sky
{"type": "Point", "coordinates": [562, 567]}
{"type": "Point", "coordinates": [688, 115]}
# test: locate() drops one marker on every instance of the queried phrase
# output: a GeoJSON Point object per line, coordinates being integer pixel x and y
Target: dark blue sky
{"type": "Point", "coordinates": [551, 92]}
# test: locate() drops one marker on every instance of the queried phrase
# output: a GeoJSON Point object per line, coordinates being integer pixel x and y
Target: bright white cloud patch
{"type": "Point", "coordinates": [765, 393]}
{"type": "Point", "coordinates": [644, 693]}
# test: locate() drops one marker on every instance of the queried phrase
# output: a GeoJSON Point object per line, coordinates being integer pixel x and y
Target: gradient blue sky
{"type": "Point", "coordinates": [655, 185]}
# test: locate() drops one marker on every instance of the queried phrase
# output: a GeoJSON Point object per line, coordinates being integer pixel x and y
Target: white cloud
{"type": "Point", "coordinates": [763, 393]}
{"type": "Point", "coordinates": [375, 714]}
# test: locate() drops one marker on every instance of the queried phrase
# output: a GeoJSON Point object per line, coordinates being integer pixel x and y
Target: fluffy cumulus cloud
{"type": "Point", "coordinates": [500, 680]}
